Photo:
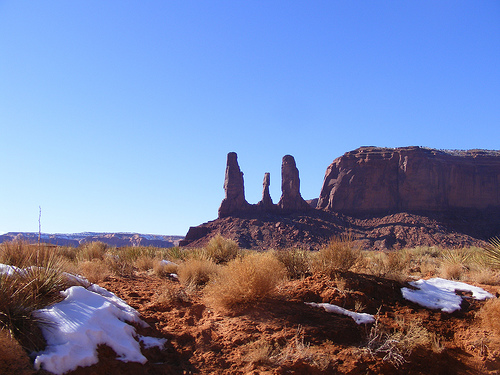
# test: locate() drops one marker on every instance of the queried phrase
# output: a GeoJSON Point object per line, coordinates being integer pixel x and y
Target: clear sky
{"type": "Point", "coordinates": [118, 115]}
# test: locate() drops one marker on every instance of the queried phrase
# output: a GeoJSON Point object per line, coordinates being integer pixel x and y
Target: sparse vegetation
{"type": "Point", "coordinates": [397, 344]}
{"type": "Point", "coordinates": [221, 250]}
{"type": "Point", "coordinates": [245, 280]}
{"type": "Point", "coordinates": [230, 280]}
{"type": "Point", "coordinates": [296, 261]}
{"type": "Point", "coordinates": [492, 253]}
{"type": "Point", "coordinates": [196, 272]}
{"type": "Point", "coordinates": [339, 255]}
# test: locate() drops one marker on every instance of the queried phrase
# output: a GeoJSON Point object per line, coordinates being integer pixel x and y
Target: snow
{"type": "Point", "coordinates": [9, 270]}
{"type": "Point", "coordinates": [359, 318]}
{"type": "Point", "coordinates": [150, 342]}
{"type": "Point", "coordinates": [438, 293]}
{"type": "Point", "coordinates": [83, 320]}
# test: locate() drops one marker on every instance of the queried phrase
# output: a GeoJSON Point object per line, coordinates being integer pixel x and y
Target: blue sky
{"type": "Point", "coordinates": [118, 115]}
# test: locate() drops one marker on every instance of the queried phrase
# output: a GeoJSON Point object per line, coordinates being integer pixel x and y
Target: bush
{"type": "Point", "coordinates": [91, 250]}
{"type": "Point", "coordinates": [221, 250]}
{"type": "Point", "coordinates": [245, 280]}
{"type": "Point", "coordinates": [161, 269]}
{"type": "Point", "coordinates": [94, 271]}
{"type": "Point", "coordinates": [296, 262]}
{"type": "Point", "coordinates": [339, 255]}
{"type": "Point", "coordinates": [196, 272]}
{"type": "Point", "coordinates": [398, 343]}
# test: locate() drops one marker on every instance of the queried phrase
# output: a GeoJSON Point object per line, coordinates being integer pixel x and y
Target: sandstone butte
{"type": "Point", "coordinates": [385, 197]}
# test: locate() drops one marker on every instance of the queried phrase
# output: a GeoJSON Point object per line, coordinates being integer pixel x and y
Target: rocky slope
{"type": "Point", "coordinates": [386, 198]}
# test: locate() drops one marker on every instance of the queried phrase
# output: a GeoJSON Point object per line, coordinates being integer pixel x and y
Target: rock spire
{"type": "Point", "coordinates": [234, 188]}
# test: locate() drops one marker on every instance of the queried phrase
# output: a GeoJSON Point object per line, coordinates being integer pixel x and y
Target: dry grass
{"type": "Point", "coordinates": [245, 280]}
{"type": "Point", "coordinates": [94, 271]}
{"type": "Point", "coordinates": [392, 265]}
{"type": "Point", "coordinates": [26, 289]}
{"type": "Point", "coordinates": [221, 250]}
{"type": "Point", "coordinates": [339, 255]}
{"type": "Point", "coordinates": [397, 344]}
{"type": "Point", "coordinates": [91, 250]}
{"type": "Point", "coordinates": [492, 253]}
{"type": "Point", "coordinates": [162, 270]}
{"type": "Point", "coordinates": [294, 351]}
{"type": "Point", "coordinates": [489, 315]}
{"type": "Point", "coordinates": [296, 262]}
{"type": "Point", "coordinates": [196, 272]}
{"type": "Point", "coordinates": [171, 295]}
{"type": "Point", "coordinates": [145, 262]}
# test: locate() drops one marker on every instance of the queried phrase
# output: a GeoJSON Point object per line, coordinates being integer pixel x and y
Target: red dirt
{"type": "Point", "coordinates": [297, 338]}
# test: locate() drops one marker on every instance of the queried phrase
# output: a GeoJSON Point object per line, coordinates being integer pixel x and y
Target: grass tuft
{"type": "Point", "coordinates": [339, 255]}
{"type": "Point", "coordinates": [245, 280]}
{"type": "Point", "coordinates": [196, 272]}
{"type": "Point", "coordinates": [221, 250]}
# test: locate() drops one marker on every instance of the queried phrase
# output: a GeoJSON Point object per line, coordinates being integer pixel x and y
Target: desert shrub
{"type": "Point", "coordinates": [339, 255]}
{"type": "Point", "coordinates": [484, 275]}
{"type": "Point", "coordinates": [165, 269]}
{"type": "Point", "coordinates": [294, 351]}
{"type": "Point", "coordinates": [296, 262]}
{"type": "Point", "coordinates": [18, 253]}
{"type": "Point", "coordinates": [397, 344]}
{"type": "Point", "coordinates": [221, 250]}
{"type": "Point", "coordinates": [174, 254]}
{"type": "Point", "coordinates": [91, 250]}
{"type": "Point", "coordinates": [118, 266]}
{"type": "Point", "coordinates": [489, 314]}
{"type": "Point", "coordinates": [94, 271]}
{"type": "Point", "coordinates": [145, 262]}
{"type": "Point", "coordinates": [245, 280]}
{"type": "Point", "coordinates": [492, 253]}
{"type": "Point", "coordinates": [392, 265]}
{"type": "Point", "coordinates": [456, 263]}
{"type": "Point", "coordinates": [169, 295]}
{"type": "Point", "coordinates": [196, 272]}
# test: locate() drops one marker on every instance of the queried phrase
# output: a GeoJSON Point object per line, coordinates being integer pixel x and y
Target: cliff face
{"type": "Point", "coordinates": [372, 179]}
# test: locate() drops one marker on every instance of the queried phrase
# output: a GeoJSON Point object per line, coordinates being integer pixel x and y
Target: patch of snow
{"type": "Point", "coordinates": [359, 318]}
{"type": "Point", "coordinates": [85, 319]}
{"type": "Point", "coordinates": [150, 342]}
{"type": "Point", "coordinates": [9, 270]}
{"type": "Point", "coordinates": [438, 293]}
{"type": "Point", "coordinates": [76, 279]}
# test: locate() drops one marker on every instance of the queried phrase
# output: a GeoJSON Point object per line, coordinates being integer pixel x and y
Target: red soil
{"type": "Point", "coordinates": [282, 335]}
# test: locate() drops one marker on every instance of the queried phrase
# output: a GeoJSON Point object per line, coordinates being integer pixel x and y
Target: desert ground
{"type": "Point", "coordinates": [226, 310]}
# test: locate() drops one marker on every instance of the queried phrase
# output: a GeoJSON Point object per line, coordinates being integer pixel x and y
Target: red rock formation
{"type": "Point", "coordinates": [372, 179]}
{"type": "Point", "coordinates": [291, 200]}
{"type": "Point", "coordinates": [266, 203]}
{"type": "Point", "coordinates": [234, 188]}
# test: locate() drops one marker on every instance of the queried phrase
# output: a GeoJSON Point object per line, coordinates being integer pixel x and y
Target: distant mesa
{"type": "Point", "coordinates": [411, 179]}
{"type": "Point", "coordinates": [111, 239]}
{"type": "Point", "coordinates": [386, 197]}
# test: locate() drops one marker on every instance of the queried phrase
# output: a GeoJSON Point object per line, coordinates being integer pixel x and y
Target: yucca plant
{"type": "Point", "coordinates": [492, 252]}
{"type": "Point", "coordinates": [23, 290]}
